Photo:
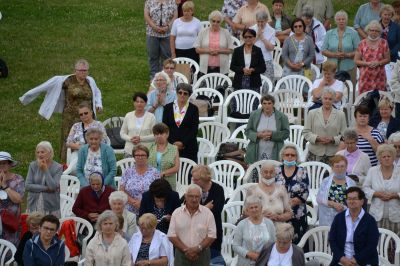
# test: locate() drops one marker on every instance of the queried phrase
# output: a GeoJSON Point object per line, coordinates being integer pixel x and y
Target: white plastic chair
{"type": "Point", "coordinates": [205, 24]}
{"type": "Point", "coordinates": [240, 192]}
{"type": "Point", "coordinates": [266, 85]}
{"type": "Point", "coordinates": [255, 167]}
{"type": "Point", "coordinates": [6, 249]}
{"type": "Point", "coordinates": [239, 130]}
{"type": "Point", "coordinates": [312, 216]}
{"type": "Point", "coordinates": [192, 64]}
{"type": "Point", "coordinates": [296, 136]}
{"type": "Point", "coordinates": [232, 211]}
{"type": "Point", "coordinates": [322, 258]}
{"type": "Point", "coordinates": [388, 238]}
{"type": "Point", "coordinates": [318, 239]}
{"type": "Point", "coordinates": [214, 131]}
{"type": "Point", "coordinates": [125, 164]}
{"type": "Point", "coordinates": [70, 186]}
{"type": "Point", "coordinates": [67, 253]}
{"type": "Point", "coordinates": [82, 227]}
{"type": "Point", "coordinates": [206, 153]}
{"type": "Point", "coordinates": [117, 180]}
{"type": "Point", "coordinates": [217, 101]}
{"type": "Point", "coordinates": [278, 71]}
{"type": "Point", "coordinates": [114, 122]}
{"type": "Point", "coordinates": [227, 241]}
{"type": "Point", "coordinates": [236, 41]}
{"type": "Point", "coordinates": [294, 82]}
{"type": "Point", "coordinates": [212, 80]}
{"type": "Point", "coordinates": [182, 178]}
{"type": "Point", "coordinates": [316, 172]}
{"type": "Point", "coordinates": [316, 70]}
{"type": "Point", "coordinates": [181, 76]}
{"type": "Point", "coordinates": [241, 142]}
{"type": "Point", "coordinates": [362, 95]}
{"type": "Point", "coordinates": [226, 171]}
{"type": "Point", "coordinates": [291, 103]}
{"type": "Point", "coordinates": [66, 204]}
{"type": "Point", "coordinates": [276, 54]}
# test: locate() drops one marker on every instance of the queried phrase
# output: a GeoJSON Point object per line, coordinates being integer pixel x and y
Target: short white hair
{"type": "Point", "coordinates": [395, 137]}
{"type": "Point", "coordinates": [81, 62]}
{"type": "Point", "coordinates": [106, 215]}
{"type": "Point", "coordinates": [215, 14]}
{"type": "Point", "coordinates": [118, 195]}
{"type": "Point", "coordinates": [195, 187]}
{"type": "Point", "coordinates": [253, 199]}
{"type": "Point", "coordinates": [47, 146]}
{"type": "Point", "coordinates": [163, 75]}
{"type": "Point", "coordinates": [341, 13]}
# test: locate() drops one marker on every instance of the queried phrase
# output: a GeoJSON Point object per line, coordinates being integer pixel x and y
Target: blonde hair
{"type": "Point", "coordinates": [34, 218]}
{"type": "Point", "coordinates": [385, 148]}
{"type": "Point", "coordinates": [337, 159]}
{"type": "Point", "coordinates": [284, 231]}
{"type": "Point", "coordinates": [204, 171]}
{"type": "Point", "coordinates": [188, 5]}
{"type": "Point", "coordinates": [388, 8]}
{"type": "Point", "coordinates": [385, 102]}
{"type": "Point", "coordinates": [148, 221]}
{"type": "Point", "coordinates": [329, 66]}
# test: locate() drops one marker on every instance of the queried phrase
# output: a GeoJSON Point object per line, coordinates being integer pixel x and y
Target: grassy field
{"type": "Point", "coordinates": [43, 38]}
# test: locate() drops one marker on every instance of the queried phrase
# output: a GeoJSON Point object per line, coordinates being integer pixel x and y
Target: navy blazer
{"type": "Point", "coordinates": [393, 126]}
{"type": "Point", "coordinates": [237, 65]}
{"type": "Point", "coordinates": [365, 240]}
{"type": "Point", "coordinates": [393, 39]}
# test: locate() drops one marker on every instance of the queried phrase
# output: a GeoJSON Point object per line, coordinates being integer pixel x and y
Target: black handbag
{"type": "Point", "coordinates": [116, 142]}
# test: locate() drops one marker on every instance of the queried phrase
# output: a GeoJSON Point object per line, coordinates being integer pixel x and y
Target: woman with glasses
{"type": "Point", "coordinates": [137, 179]}
{"type": "Point", "coordinates": [214, 45]}
{"type": "Point", "coordinates": [137, 125]}
{"type": "Point", "coordinates": [383, 121]}
{"type": "Point", "coordinates": [182, 118]}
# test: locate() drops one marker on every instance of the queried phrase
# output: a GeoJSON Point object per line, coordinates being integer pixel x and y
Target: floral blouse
{"type": "Point", "coordinates": [77, 133]}
{"type": "Point", "coordinates": [297, 186]}
{"type": "Point", "coordinates": [337, 193]}
{"type": "Point", "coordinates": [161, 14]}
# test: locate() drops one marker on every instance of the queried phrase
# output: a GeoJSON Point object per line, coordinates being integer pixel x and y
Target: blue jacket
{"type": "Point", "coordinates": [35, 255]}
{"type": "Point", "coordinates": [393, 126]}
{"type": "Point", "coordinates": [393, 39]}
{"type": "Point", "coordinates": [365, 240]}
{"type": "Point", "coordinates": [108, 165]}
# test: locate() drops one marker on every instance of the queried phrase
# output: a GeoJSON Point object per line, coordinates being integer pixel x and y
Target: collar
{"type": "Point", "coordinates": [360, 215]}
{"type": "Point", "coordinates": [351, 154]}
{"type": "Point", "coordinates": [186, 209]}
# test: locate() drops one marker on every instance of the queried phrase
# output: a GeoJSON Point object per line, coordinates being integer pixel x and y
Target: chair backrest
{"type": "Point", "coordinates": [318, 239]}
{"type": "Point", "coordinates": [227, 241]}
{"type": "Point", "coordinates": [232, 211]}
{"type": "Point", "coordinates": [66, 204]}
{"type": "Point", "coordinates": [266, 85]}
{"type": "Point", "coordinates": [212, 80]}
{"type": "Point", "coordinates": [316, 172]}
{"type": "Point", "coordinates": [117, 180]}
{"type": "Point", "coordinates": [82, 227]}
{"type": "Point", "coordinates": [388, 241]}
{"type": "Point", "coordinates": [322, 258]}
{"type": "Point", "coordinates": [244, 99]}
{"type": "Point", "coordinates": [239, 130]}
{"type": "Point", "coordinates": [226, 172]}
{"type": "Point", "coordinates": [278, 71]}
{"type": "Point", "coordinates": [316, 70]}
{"type": "Point", "coordinates": [296, 135]}
{"type": "Point", "coordinates": [70, 185]}
{"type": "Point", "coordinates": [6, 249]}
{"type": "Point", "coordinates": [217, 100]}
{"type": "Point", "coordinates": [240, 192]}
{"type": "Point", "coordinates": [289, 102]}
{"type": "Point", "coordinates": [184, 173]}
{"type": "Point", "coordinates": [112, 122]}
{"type": "Point", "coordinates": [276, 54]}
{"type": "Point", "coordinates": [206, 151]}
{"type": "Point", "coordinates": [236, 41]}
{"type": "Point", "coordinates": [241, 142]}
{"type": "Point", "coordinates": [254, 170]}
{"type": "Point", "coordinates": [214, 131]}
{"type": "Point", "coordinates": [312, 216]}
{"type": "Point", "coordinates": [205, 24]}
{"type": "Point", "coordinates": [362, 95]}
{"type": "Point", "coordinates": [193, 65]}
{"type": "Point", "coordinates": [293, 82]}
{"type": "Point", "coordinates": [125, 164]}
{"type": "Point", "coordinates": [181, 76]}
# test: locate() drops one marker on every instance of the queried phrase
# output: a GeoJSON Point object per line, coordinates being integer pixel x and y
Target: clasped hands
{"type": "Point", "coordinates": [264, 135]}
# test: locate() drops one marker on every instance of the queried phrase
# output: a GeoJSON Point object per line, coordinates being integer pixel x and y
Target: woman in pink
{"type": "Point", "coordinates": [371, 57]}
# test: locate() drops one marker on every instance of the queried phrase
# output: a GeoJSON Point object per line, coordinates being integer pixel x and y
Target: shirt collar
{"type": "Point", "coordinates": [360, 215]}
{"type": "Point", "coordinates": [351, 154]}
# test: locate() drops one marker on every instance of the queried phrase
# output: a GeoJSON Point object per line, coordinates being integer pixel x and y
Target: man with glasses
{"type": "Point", "coordinates": [354, 233]}
{"type": "Point", "coordinates": [45, 248]}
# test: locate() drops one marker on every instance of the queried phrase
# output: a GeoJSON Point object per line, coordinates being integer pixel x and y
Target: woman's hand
{"type": "Point", "coordinates": [3, 179]}
{"type": "Point", "coordinates": [373, 64]}
{"type": "Point", "coordinates": [134, 202]}
{"type": "Point", "coordinates": [252, 255]}
{"type": "Point", "coordinates": [74, 146]}
{"type": "Point", "coordinates": [43, 165]}
{"type": "Point", "coordinates": [93, 216]}
{"type": "Point", "coordinates": [179, 144]}
{"type": "Point", "coordinates": [135, 140]}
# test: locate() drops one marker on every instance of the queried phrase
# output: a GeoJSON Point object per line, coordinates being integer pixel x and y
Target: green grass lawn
{"type": "Point", "coordinates": [43, 38]}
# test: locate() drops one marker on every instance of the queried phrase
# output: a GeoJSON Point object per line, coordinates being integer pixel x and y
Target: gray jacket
{"type": "Point", "coordinates": [38, 181]}
{"type": "Point", "coordinates": [297, 258]}
{"type": "Point", "coordinates": [289, 51]}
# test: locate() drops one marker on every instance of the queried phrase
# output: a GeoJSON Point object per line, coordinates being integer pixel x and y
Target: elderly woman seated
{"type": "Point", "coordinates": [118, 201]}
{"type": "Point", "coordinates": [282, 252]}
{"type": "Point", "coordinates": [253, 232]}
{"type": "Point", "coordinates": [92, 200]}
{"type": "Point", "coordinates": [96, 157]}
{"type": "Point", "coordinates": [150, 246]}
{"type": "Point", "coordinates": [395, 141]}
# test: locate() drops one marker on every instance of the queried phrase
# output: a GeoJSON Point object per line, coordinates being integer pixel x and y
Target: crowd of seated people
{"type": "Point", "coordinates": [140, 220]}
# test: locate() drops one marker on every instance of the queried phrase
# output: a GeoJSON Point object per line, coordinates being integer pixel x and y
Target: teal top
{"type": "Point", "coordinates": [349, 44]}
{"type": "Point", "coordinates": [365, 14]}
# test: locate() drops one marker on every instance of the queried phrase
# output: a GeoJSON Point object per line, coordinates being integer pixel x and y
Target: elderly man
{"type": "Point", "coordinates": [323, 10]}
{"type": "Point", "coordinates": [192, 230]}
{"type": "Point", "coordinates": [354, 234]}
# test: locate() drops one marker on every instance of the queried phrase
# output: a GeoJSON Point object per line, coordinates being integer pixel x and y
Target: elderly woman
{"type": "Point", "coordinates": [76, 137]}
{"type": "Point", "coordinates": [11, 196]}
{"type": "Point", "coordinates": [43, 182]}
{"type": "Point", "coordinates": [214, 45]}
{"type": "Point", "coordinates": [331, 195]}
{"type": "Point", "coordinates": [159, 16]}
{"type": "Point", "coordinates": [252, 233]}
{"type": "Point", "coordinates": [382, 188]}
{"type": "Point", "coordinates": [107, 247]}
{"type": "Point", "coordinates": [328, 81]}
{"type": "Point", "coordinates": [358, 162]}
{"type": "Point", "coordinates": [282, 252]}
{"type": "Point", "coordinates": [160, 96]}
{"type": "Point", "coordinates": [298, 51]}
{"type": "Point", "coordinates": [161, 201]}
{"type": "Point", "coordinates": [371, 57]}
{"type": "Point", "coordinates": [92, 200]}
{"type": "Point", "coordinates": [163, 155]}
{"type": "Point", "coordinates": [137, 125]}
{"type": "Point", "coordinates": [184, 33]}
{"type": "Point", "coordinates": [246, 15]}
{"type": "Point", "coordinates": [391, 31]}
{"type": "Point", "coordinates": [96, 157]}
{"type": "Point", "coordinates": [229, 10]}
{"type": "Point", "coordinates": [340, 45]}
{"type": "Point", "coordinates": [314, 29]}
{"type": "Point", "coordinates": [296, 181]}
{"type": "Point", "coordinates": [267, 129]}
{"type": "Point", "coordinates": [265, 40]}
{"type": "Point", "coordinates": [118, 201]}
{"type": "Point", "coordinates": [169, 66]}
{"type": "Point", "coordinates": [323, 10]}
{"type": "Point", "coordinates": [280, 21]}
{"type": "Point", "coordinates": [383, 121]}
{"type": "Point", "coordinates": [137, 179]}
{"type": "Point", "coordinates": [182, 118]}
{"type": "Point", "coordinates": [369, 138]}
{"type": "Point", "coordinates": [150, 246]}
{"type": "Point", "coordinates": [275, 198]}
{"type": "Point", "coordinates": [33, 223]}
{"type": "Point", "coordinates": [394, 139]}
{"type": "Point", "coordinates": [324, 128]}
{"type": "Point", "coordinates": [212, 197]}
{"type": "Point", "coordinates": [365, 14]}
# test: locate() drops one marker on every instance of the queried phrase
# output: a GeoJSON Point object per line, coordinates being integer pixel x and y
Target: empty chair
{"type": "Point", "coordinates": [193, 66]}
{"type": "Point", "coordinates": [69, 186]}
{"type": "Point", "coordinates": [296, 135]}
{"type": "Point", "coordinates": [266, 85]}
{"type": "Point", "coordinates": [290, 103]}
{"type": "Point", "coordinates": [277, 53]}
{"type": "Point", "coordinates": [183, 176]}
{"type": "Point", "coordinates": [66, 204]}
{"type": "Point", "coordinates": [317, 239]}
{"type": "Point", "coordinates": [214, 131]}
{"type": "Point", "coordinates": [227, 172]}
{"type": "Point", "coordinates": [206, 153]}
{"type": "Point", "coordinates": [389, 241]}
{"type": "Point", "coordinates": [125, 164]}
{"type": "Point", "coordinates": [7, 249]}
{"type": "Point", "coordinates": [213, 80]}
{"type": "Point", "coordinates": [232, 211]}
{"type": "Point", "coordinates": [239, 131]}
{"type": "Point", "coordinates": [113, 127]}
{"type": "Point", "coordinates": [227, 240]}
{"type": "Point", "coordinates": [297, 83]}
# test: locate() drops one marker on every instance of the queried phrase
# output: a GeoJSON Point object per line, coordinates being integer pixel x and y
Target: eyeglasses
{"type": "Point", "coordinates": [290, 155]}
{"type": "Point", "coordinates": [140, 155]}
{"type": "Point", "coordinates": [183, 93]}
{"type": "Point", "coordinates": [298, 26]}
{"type": "Point", "coordinates": [84, 113]}
{"type": "Point", "coordinates": [159, 80]}
{"type": "Point", "coordinates": [248, 37]}
{"type": "Point", "coordinates": [374, 30]}
{"type": "Point", "coordinates": [81, 70]}
{"type": "Point", "coordinates": [45, 228]}
{"type": "Point", "coordinates": [216, 21]}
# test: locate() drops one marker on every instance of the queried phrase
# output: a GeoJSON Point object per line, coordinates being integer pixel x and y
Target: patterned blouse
{"type": "Point", "coordinates": [135, 185]}
{"type": "Point", "coordinates": [161, 14]}
{"type": "Point", "coordinates": [77, 133]}
{"type": "Point", "coordinates": [143, 253]}
{"type": "Point", "coordinates": [337, 193]}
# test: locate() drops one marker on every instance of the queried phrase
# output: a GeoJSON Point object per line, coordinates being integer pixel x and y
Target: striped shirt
{"type": "Point", "coordinates": [366, 147]}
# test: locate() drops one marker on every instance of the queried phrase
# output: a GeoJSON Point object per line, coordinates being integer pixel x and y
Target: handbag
{"type": "Point", "coordinates": [10, 221]}
{"type": "Point", "coordinates": [116, 141]}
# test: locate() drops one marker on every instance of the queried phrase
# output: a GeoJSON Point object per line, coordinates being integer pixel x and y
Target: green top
{"type": "Point", "coordinates": [167, 161]}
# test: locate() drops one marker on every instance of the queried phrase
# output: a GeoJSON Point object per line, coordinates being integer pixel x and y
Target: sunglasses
{"type": "Point", "coordinates": [248, 37]}
{"type": "Point", "coordinates": [215, 21]}
{"type": "Point", "coordinates": [84, 113]}
{"type": "Point", "coordinates": [183, 93]}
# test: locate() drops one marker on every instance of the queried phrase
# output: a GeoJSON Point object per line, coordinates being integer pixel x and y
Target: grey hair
{"type": "Point", "coordinates": [342, 13]}
{"type": "Point", "coordinates": [195, 187]}
{"type": "Point", "coordinates": [47, 146]}
{"type": "Point", "coordinates": [96, 175]}
{"type": "Point", "coordinates": [164, 76]}
{"type": "Point", "coordinates": [262, 15]}
{"type": "Point", "coordinates": [386, 148]}
{"type": "Point", "coordinates": [118, 195]}
{"type": "Point", "coordinates": [395, 137]}
{"type": "Point", "coordinates": [252, 199]}
{"type": "Point", "coordinates": [327, 90]}
{"type": "Point", "coordinates": [307, 11]}
{"type": "Point", "coordinates": [284, 231]}
{"type": "Point", "coordinates": [350, 133]}
{"type": "Point", "coordinates": [106, 215]}
{"type": "Point", "coordinates": [215, 14]}
{"type": "Point", "coordinates": [94, 130]}
{"type": "Point", "coordinates": [266, 165]}
{"type": "Point", "coordinates": [374, 23]}
{"type": "Point", "coordinates": [388, 8]}
{"type": "Point", "coordinates": [289, 146]}
{"type": "Point", "coordinates": [82, 62]}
